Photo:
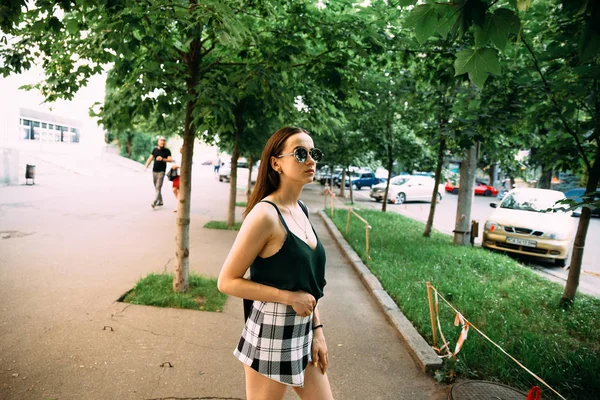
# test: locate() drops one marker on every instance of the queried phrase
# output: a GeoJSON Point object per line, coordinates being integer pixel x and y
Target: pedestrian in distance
{"type": "Point", "coordinates": [217, 166]}
{"type": "Point", "coordinates": [161, 156]}
{"type": "Point", "coordinates": [283, 341]}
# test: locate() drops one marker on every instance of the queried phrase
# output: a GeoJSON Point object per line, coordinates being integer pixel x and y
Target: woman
{"type": "Point", "coordinates": [176, 181]}
{"type": "Point", "coordinates": [283, 341]}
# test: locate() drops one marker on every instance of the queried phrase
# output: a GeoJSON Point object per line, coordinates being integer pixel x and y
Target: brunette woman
{"type": "Point", "coordinates": [283, 342]}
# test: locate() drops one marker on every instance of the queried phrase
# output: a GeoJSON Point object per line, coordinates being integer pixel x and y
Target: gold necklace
{"type": "Point", "coordinates": [296, 222]}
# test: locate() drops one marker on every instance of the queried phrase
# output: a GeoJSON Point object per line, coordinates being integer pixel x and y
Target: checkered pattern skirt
{"type": "Point", "coordinates": [276, 342]}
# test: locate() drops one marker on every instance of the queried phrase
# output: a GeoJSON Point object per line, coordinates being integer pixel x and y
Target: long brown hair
{"type": "Point", "coordinates": [268, 179]}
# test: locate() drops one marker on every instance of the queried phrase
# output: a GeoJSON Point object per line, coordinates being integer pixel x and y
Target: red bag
{"type": "Point", "coordinates": [534, 394]}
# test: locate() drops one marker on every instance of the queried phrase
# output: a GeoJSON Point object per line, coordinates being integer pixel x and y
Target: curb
{"type": "Point", "coordinates": [418, 348]}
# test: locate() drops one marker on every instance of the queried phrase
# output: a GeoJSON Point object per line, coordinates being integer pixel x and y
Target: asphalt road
{"type": "Point", "coordinates": [445, 218]}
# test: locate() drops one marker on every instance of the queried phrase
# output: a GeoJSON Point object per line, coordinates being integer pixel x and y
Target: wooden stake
{"type": "Point", "coordinates": [348, 223]}
{"type": "Point", "coordinates": [431, 313]}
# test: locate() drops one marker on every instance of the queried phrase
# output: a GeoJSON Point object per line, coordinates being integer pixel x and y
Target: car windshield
{"type": "Point", "coordinates": [400, 180]}
{"type": "Point", "coordinates": [531, 201]}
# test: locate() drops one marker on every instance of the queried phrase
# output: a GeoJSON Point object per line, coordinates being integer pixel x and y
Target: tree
{"type": "Point", "coordinates": [567, 37]}
{"type": "Point", "coordinates": [160, 52]}
{"type": "Point", "coordinates": [170, 59]}
{"type": "Point", "coordinates": [568, 71]}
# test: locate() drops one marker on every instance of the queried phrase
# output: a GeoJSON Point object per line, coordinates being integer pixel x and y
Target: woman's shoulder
{"type": "Point", "coordinates": [263, 213]}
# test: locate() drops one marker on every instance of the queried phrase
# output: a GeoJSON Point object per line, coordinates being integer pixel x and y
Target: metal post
{"type": "Point", "coordinates": [431, 313]}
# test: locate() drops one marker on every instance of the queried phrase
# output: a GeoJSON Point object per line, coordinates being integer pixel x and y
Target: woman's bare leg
{"type": "Point", "coordinates": [259, 387]}
{"type": "Point", "coordinates": [316, 385]}
{"type": "Point", "coordinates": [176, 193]}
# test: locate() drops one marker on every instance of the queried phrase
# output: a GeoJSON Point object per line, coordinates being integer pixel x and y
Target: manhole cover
{"type": "Point", "coordinates": [483, 390]}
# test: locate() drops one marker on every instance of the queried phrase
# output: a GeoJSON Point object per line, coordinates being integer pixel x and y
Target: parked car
{"type": "Point", "coordinates": [577, 194]}
{"type": "Point", "coordinates": [521, 224]}
{"type": "Point", "coordinates": [364, 179]}
{"type": "Point", "coordinates": [481, 188]}
{"type": "Point", "coordinates": [337, 178]}
{"type": "Point", "coordinates": [406, 188]}
{"type": "Point", "coordinates": [242, 172]}
{"type": "Point", "coordinates": [326, 177]}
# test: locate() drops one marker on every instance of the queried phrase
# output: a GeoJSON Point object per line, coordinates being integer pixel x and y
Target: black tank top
{"type": "Point", "coordinates": [296, 266]}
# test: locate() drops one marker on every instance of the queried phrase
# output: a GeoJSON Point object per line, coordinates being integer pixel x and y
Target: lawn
{"type": "Point", "coordinates": [156, 290]}
{"type": "Point", "coordinates": [515, 307]}
{"type": "Point", "coordinates": [222, 225]}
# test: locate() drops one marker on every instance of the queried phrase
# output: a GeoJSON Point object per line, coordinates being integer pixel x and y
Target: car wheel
{"type": "Point", "coordinates": [358, 187]}
{"type": "Point", "coordinates": [487, 193]}
{"type": "Point", "coordinates": [220, 179]}
{"type": "Point", "coordinates": [400, 198]}
{"type": "Point", "coordinates": [455, 191]}
{"type": "Point", "coordinates": [377, 200]}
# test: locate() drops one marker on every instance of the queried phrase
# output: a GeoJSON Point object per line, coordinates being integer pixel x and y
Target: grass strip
{"type": "Point", "coordinates": [157, 290]}
{"type": "Point", "coordinates": [515, 307]}
{"type": "Point", "coordinates": [241, 204]}
{"type": "Point", "coordinates": [223, 225]}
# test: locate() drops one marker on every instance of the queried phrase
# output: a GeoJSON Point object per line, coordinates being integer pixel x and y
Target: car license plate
{"type": "Point", "coordinates": [522, 242]}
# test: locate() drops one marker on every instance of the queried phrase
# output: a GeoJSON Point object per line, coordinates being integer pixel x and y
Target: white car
{"type": "Point", "coordinates": [522, 224]}
{"type": "Point", "coordinates": [407, 188]}
{"type": "Point", "coordinates": [242, 172]}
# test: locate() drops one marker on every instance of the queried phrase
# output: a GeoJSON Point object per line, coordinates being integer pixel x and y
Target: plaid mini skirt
{"type": "Point", "coordinates": [276, 342]}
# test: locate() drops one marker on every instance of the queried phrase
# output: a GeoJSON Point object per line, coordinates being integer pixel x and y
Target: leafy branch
{"type": "Point", "coordinates": [556, 105]}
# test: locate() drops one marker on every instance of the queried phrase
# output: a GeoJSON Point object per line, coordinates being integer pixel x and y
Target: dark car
{"type": "Point", "coordinates": [577, 195]}
{"type": "Point", "coordinates": [364, 179]}
{"type": "Point", "coordinates": [325, 176]}
{"type": "Point", "coordinates": [337, 178]}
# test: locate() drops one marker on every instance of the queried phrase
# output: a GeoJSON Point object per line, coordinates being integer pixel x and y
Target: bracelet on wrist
{"type": "Point", "coordinates": [317, 327]}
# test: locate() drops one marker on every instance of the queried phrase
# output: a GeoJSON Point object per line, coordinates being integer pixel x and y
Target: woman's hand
{"type": "Point", "coordinates": [320, 356]}
{"type": "Point", "coordinates": [303, 303]}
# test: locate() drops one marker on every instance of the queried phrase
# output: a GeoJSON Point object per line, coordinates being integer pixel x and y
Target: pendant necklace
{"type": "Point", "coordinates": [296, 222]}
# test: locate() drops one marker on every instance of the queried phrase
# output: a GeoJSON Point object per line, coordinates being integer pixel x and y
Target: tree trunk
{"type": "Point", "coordinates": [465, 196]}
{"type": "Point", "coordinates": [128, 144]}
{"type": "Point", "coordinates": [492, 173]}
{"type": "Point", "coordinates": [182, 245]}
{"type": "Point", "coordinates": [390, 155]}
{"type": "Point", "coordinates": [343, 184]}
{"type": "Point", "coordinates": [545, 181]}
{"type": "Point", "coordinates": [584, 222]}
{"type": "Point", "coordinates": [390, 165]}
{"type": "Point", "coordinates": [351, 191]}
{"type": "Point", "coordinates": [331, 179]}
{"type": "Point", "coordinates": [249, 188]}
{"type": "Point", "coordinates": [233, 181]}
{"type": "Point", "coordinates": [438, 177]}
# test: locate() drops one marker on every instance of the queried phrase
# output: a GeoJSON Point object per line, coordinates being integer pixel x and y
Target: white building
{"type": "Point", "coordinates": [31, 129]}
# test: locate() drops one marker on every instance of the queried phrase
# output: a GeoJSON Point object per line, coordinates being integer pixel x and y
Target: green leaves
{"type": "Point", "coordinates": [498, 26]}
{"type": "Point", "coordinates": [424, 19]}
{"type": "Point", "coordinates": [478, 64]}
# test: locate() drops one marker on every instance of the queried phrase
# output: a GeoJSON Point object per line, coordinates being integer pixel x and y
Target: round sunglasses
{"type": "Point", "coordinates": [301, 154]}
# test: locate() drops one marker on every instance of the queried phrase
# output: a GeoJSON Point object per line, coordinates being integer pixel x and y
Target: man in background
{"type": "Point", "coordinates": [161, 156]}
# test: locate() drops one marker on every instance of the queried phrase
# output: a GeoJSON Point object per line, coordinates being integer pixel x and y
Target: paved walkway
{"type": "Point", "coordinates": [76, 242]}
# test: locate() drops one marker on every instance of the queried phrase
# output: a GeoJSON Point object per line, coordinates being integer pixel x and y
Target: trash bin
{"type": "Point", "coordinates": [30, 174]}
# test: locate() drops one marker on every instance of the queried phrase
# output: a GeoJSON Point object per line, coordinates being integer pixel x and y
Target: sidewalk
{"type": "Point", "coordinates": [79, 243]}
